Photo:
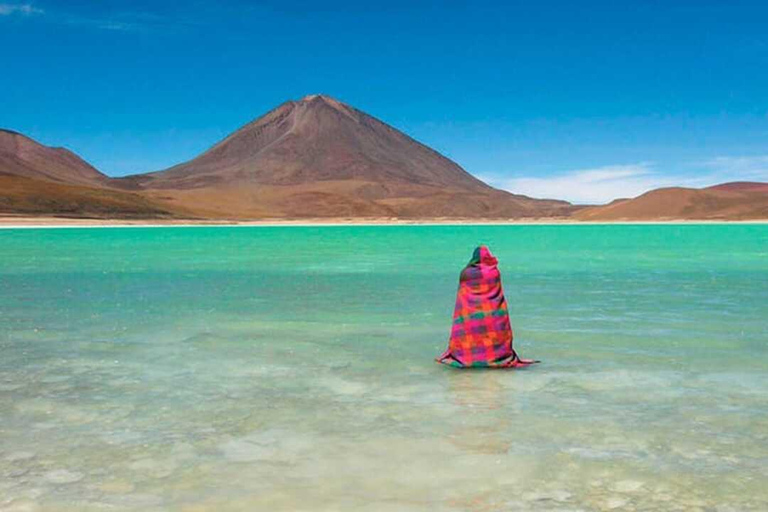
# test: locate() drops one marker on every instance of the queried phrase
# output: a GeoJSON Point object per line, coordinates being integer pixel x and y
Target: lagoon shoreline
{"type": "Point", "coordinates": [17, 221]}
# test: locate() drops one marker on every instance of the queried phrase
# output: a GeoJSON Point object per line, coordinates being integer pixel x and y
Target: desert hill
{"type": "Point", "coordinates": [318, 157]}
{"type": "Point", "coordinates": [727, 201]}
{"type": "Point", "coordinates": [741, 186]}
{"type": "Point", "coordinates": [40, 180]}
{"type": "Point", "coordinates": [22, 156]}
{"type": "Point", "coordinates": [315, 158]}
{"type": "Point", "coordinates": [25, 196]}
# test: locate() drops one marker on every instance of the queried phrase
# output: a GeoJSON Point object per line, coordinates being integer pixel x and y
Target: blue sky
{"type": "Point", "coordinates": [585, 101]}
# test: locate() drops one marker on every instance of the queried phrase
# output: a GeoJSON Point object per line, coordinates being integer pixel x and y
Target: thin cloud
{"type": "Point", "coordinates": [130, 21]}
{"type": "Point", "coordinates": [20, 9]}
{"type": "Point", "coordinates": [597, 185]}
{"type": "Point", "coordinates": [742, 168]}
{"type": "Point", "coordinates": [126, 21]}
{"type": "Point", "coordinates": [602, 185]}
{"type": "Point", "coordinates": [105, 24]}
{"type": "Point", "coordinates": [590, 186]}
{"type": "Point", "coordinates": [117, 22]}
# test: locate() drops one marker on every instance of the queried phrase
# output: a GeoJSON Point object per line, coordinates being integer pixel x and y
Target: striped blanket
{"type": "Point", "coordinates": [481, 335]}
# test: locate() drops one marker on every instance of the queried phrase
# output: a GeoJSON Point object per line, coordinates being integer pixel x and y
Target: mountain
{"type": "Point", "coordinates": [22, 156]}
{"type": "Point", "coordinates": [40, 180]}
{"type": "Point", "coordinates": [727, 201]}
{"type": "Point", "coordinates": [318, 157]}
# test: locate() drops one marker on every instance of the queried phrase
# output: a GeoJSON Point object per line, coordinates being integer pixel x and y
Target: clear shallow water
{"type": "Point", "coordinates": [291, 369]}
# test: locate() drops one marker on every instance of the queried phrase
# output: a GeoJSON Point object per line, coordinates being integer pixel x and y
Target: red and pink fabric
{"type": "Point", "coordinates": [481, 335]}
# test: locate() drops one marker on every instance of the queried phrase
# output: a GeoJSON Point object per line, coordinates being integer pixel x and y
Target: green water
{"type": "Point", "coordinates": [290, 369]}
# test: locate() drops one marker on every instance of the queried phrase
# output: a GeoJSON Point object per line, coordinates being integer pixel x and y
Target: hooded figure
{"type": "Point", "coordinates": [481, 335]}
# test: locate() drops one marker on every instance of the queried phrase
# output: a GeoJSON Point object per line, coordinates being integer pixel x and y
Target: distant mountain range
{"type": "Point", "coordinates": [729, 201]}
{"type": "Point", "coordinates": [318, 157]}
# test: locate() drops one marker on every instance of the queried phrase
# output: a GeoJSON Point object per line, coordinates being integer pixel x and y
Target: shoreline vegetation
{"type": "Point", "coordinates": [19, 221]}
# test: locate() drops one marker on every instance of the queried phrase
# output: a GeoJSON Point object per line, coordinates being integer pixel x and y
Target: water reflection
{"type": "Point", "coordinates": [482, 406]}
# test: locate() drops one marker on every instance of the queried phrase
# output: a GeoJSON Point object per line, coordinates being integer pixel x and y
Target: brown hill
{"type": "Point", "coordinates": [728, 201]}
{"type": "Point", "coordinates": [22, 156]}
{"type": "Point", "coordinates": [741, 186]}
{"type": "Point", "coordinates": [318, 157]}
{"type": "Point", "coordinates": [20, 195]}
{"type": "Point", "coordinates": [40, 180]}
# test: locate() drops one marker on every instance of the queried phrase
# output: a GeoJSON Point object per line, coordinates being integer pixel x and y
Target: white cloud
{"type": "Point", "coordinates": [602, 185]}
{"type": "Point", "coordinates": [741, 168]}
{"type": "Point", "coordinates": [590, 186]}
{"type": "Point", "coordinates": [23, 9]}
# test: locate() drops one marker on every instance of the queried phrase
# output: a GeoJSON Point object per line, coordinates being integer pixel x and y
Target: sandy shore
{"type": "Point", "coordinates": [14, 221]}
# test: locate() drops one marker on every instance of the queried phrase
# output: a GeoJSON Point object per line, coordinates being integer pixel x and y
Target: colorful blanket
{"type": "Point", "coordinates": [481, 335]}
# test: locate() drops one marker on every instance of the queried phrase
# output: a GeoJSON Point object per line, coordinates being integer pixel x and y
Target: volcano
{"type": "Point", "coordinates": [318, 157]}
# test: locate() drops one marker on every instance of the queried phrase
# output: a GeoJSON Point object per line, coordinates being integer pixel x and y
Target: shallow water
{"type": "Point", "coordinates": [291, 369]}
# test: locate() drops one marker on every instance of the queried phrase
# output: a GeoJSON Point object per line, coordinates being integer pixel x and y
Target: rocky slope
{"type": "Point", "coordinates": [41, 180]}
{"type": "Point", "coordinates": [318, 157]}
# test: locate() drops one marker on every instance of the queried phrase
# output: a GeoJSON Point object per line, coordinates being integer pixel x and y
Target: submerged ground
{"type": "Point", "coordinates": [265, 368]}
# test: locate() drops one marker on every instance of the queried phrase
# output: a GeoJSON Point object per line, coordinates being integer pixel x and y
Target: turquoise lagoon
{"type": "Point", "coordinates": [291, 369]}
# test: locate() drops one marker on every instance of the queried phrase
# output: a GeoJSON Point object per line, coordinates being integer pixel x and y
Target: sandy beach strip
{"type": "Point", "coordinates": [16, 221]}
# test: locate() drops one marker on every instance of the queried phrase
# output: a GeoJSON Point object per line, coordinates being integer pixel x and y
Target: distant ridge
{"type": "Point", "coordinates": [741, 186]}
{"type": "Point", "coordinates": [40, 180]}
{"type": "Point", "coordinates": [22, 156]}
{"type": "Point", "coordinates": [318, 157]}
{"type": "Point", "coordinates": [727, 201]}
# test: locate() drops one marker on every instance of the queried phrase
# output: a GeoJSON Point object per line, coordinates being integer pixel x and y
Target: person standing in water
{"type": "Point", "coordinates": [481, 335]}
